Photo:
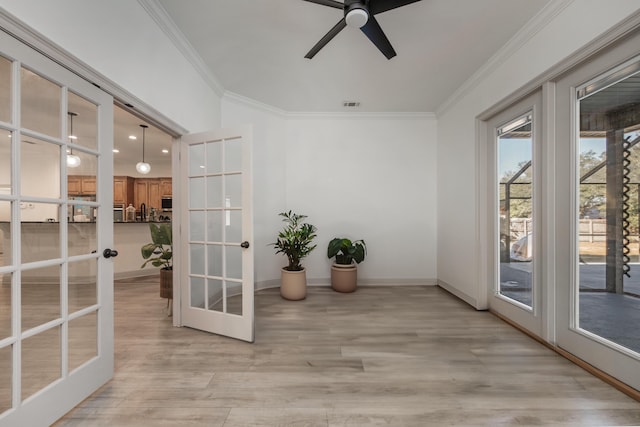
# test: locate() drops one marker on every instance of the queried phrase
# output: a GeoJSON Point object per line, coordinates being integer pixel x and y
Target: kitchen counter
{"type": "Point", "coordinates": [41, 240]}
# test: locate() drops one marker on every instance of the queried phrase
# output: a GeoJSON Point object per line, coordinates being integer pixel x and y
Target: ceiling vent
{"type": "Point", "coordinates": [350, 104]}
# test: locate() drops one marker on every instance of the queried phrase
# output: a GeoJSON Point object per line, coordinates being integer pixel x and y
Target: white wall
{"type": "Point", "coordinates": [363, 177]}
{"type": "Point", "coordinates": [269, 167]}
{"type": "Point", "coordinates": [370, 178]}
{"type": "Point", "coordinates": [119, 39]}
{"type": "Point", "coordinates": [575, 26]}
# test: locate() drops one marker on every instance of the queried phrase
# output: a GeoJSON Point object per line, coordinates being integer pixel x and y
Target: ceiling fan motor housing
{"type": "Point", "coordinates": [357, 15]}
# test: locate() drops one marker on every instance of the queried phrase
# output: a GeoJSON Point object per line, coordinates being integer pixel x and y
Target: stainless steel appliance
{"type": "Point", "coordinates": [167, 204]}
{"type": "Point", "coordinates": [118, 213]}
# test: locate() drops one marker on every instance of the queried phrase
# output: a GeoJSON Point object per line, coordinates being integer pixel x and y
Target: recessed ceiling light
{"type": "Point", "coordinates": [115, 150]}
{"type": "Point", "coordinates": [165, 151]}
{"type": "Point", "coordinates": [132, 137]}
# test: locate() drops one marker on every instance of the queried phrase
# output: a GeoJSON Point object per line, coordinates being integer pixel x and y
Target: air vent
{"type": "Point", "coordinates": [350, 104]}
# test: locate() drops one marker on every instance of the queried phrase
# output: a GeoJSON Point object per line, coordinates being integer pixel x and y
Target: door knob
{"type": "Point", "coordinates": [109, 253]}
{"type": "Point", "coordinates": [244, 244]}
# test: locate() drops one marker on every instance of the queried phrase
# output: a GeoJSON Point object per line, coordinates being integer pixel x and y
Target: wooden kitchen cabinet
{"type": "Point", "coordinates": [74, 185]}
{"type": "Point", "coordinates": [150, 192]}
{"type": "Point", "coordinates": [89, 185]}
{"type": "Point", "coordinates": [81, 185]}
{"type": "Point", "coordinates": [154, 195]}
{"type": "Point", "coordinates": [141, 193]}
{"type": "Point", "coordinates": [166, 189]}
{"type": "Point", "coordinates": [123, 190]}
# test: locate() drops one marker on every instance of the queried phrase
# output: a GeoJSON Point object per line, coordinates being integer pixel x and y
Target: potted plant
{"type": "Point", "coordinates": [160, 254]}
{"type": "Point", "coordinates": [344, 273]}
{"type": "Point", "coordinates": [295, 241]}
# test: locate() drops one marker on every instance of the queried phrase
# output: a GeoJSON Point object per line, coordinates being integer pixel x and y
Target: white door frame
{"type": "Point", "coordinates": [531, 319]}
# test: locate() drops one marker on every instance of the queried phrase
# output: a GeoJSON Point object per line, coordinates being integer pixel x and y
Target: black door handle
{"type": "Point", "coordinates": [244, 244]}
{"type": "Point", "coordinates": [109, 253]}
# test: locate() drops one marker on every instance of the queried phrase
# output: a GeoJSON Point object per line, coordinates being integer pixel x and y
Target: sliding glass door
{"type": "Point", "coordinates": [598, 200]}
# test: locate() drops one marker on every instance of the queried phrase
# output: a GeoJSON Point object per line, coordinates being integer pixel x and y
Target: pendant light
{"type": "Point", "coordinates": [73, 161]}
{"type": "Point", "coordinates": [142, 167]}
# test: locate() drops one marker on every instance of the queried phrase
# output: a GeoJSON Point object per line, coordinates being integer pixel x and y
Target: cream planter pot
{"type": "Point", "coordinates": [293, 285]}
{"type": "Point", "coordinates": [344, 278]}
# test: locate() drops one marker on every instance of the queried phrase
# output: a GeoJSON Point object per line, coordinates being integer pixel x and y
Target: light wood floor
{"type": "Point", "coordinates": [401, 356]}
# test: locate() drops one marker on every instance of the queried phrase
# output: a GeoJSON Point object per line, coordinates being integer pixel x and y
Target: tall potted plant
{"type": "Point", "coordinates": [295, 241]}
{"type": "Point", "coordinates": [159, 253]}
{"type": "Point", "coordinates": [344, 273]}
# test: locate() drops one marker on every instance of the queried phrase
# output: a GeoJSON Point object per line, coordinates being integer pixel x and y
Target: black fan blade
{"type": "Point", "coordinates": [327, 38]}
{"type": "Point", "coordinates": [379, 6]}
{"type": "Point", "coordinates": [376, 35]}
{"type": "Point", "coordinates": [330, 3]}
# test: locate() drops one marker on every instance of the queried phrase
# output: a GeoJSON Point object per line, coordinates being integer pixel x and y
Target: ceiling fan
{"type": "Point", "coordinates": [360, 14]}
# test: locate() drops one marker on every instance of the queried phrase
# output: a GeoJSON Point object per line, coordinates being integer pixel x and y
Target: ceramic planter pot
{"type": "Point", "coordinates": [293, 284]}
{"type": "Point", "coordinates": [166, 283]}
{"type": "Point", "coordinates": [344, 278]}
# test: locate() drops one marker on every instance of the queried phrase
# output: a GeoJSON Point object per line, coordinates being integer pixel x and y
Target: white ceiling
{"type": "Point", "coordinates": [256, 49]}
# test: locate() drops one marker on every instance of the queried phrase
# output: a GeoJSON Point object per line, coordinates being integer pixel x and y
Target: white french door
{"type": "Point", "coordinates": [597, 215]}
{"type": "Point", "coordinates": [56, 287]}
{"type": "Point", "coordinates": [216, 268]}
{"type": "Point", "coordinates": [513, 183]}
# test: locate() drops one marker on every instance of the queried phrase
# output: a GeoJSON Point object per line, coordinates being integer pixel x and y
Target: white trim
{"type": "Point", "coordinates": [547, 234]}
{"type": "Point", "coordinates": [458, 293]}
{"type": "Point", "coordinates": [482, 230]}
{"type": "Point", "coordinates": [531, 28]}
{"type": "Point", "coordinates": [160, 16]}
{"type": "Point", "coordinates": [326, 282]}
{"type": "Point", "coordinates": [249, 102]}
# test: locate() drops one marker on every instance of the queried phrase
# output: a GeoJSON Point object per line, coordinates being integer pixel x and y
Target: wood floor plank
{"type": "Point", "coordinates": [382, 356]}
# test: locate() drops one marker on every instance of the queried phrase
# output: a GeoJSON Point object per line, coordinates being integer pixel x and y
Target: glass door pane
{"type": "Point", "coordinates": [219, 180]}
{"type": "Point", "coordinates": [515, 210]}
{"type": "Point", "coordinates": [608, 291]}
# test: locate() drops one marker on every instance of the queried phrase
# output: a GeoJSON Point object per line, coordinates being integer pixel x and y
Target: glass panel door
{"type": "Point", "coordinates": [514, 148]}
{"type": "Point", "coordinates": [218, 270]}
{"type": "Point", "coordinates": [607, 300]}
{"type": "Point", "coordinates": [597, 205]}
{"type": "Point", "coordinates": [56, 303]}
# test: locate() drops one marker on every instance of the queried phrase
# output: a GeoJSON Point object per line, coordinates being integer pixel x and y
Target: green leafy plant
{"type": "Point", "coordinates": [295, 239]}
{"type": "Point", "coordinates": [345, 251]}
{"type": "Point", "coordinates": [160, 252]}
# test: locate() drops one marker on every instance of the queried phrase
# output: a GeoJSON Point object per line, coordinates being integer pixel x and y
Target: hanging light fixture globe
{"type": "Point", "coordinates": [143, 167]}
{"type": "Point", "coordinates": [73, 161]}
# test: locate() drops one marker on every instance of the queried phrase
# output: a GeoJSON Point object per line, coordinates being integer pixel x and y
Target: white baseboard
{"type": "Point", "coordinates": [137, 273]}
{"type": "Point", "coordinates": [275, 283]}
{"type": "Point", "coordinates": [463, 296]}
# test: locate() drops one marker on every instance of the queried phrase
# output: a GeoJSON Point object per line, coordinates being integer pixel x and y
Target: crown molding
{"type": "Point", "coordinates": [158, 13]}
{"type": "Point", "coordinates": [526, 33]}
{"type": "Point", "coordinates": [249, 102]}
